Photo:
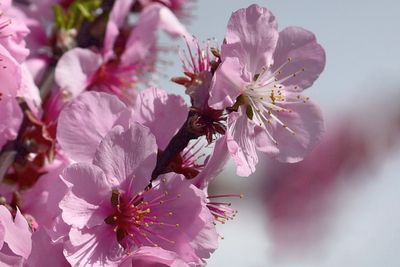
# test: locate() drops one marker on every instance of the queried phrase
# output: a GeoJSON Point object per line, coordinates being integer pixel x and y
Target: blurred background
{"type": "Point", "coordinates": [339, 207]}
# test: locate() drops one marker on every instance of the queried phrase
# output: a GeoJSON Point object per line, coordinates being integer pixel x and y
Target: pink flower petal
{"type": "Point", "coordinates": [227, 84]}
{"type": "Point", "coordinates": [17, 233]}
{"type": "Point", "coordinates": [241, 143]}
{"type": "Point", "coordinates": [10, 117]}
{"type": "Point", "coordinates": [127, 154]}
{"type": "Point", "coordinates": [75, 69]}
{"type": "Point", "coordinates": [153, 257]}
{"type": "Point", "coordinates": [84, 123]}
{"type": "Point", "coordinates": [117, 17]}
{"type": "Point", "coordinates": [87, 247]}
{"type": "Point", "coordinates": [255, 30]}
{"type": "Point", "coordinates": [302, 48]}
{"type": "Point", "coordinates": [214, 164]}
{"type": "Point", "coordinates": [88, 188]}
{"type": "Point", "coordinates": [163, 113]}
{"type": "Point", "coordinates": [10, 73]}
{"type": "Point", "coordinates": [42, 248]}
{"type": "Point", "coordinates": [143, 36]}
{"type": "Point", "coordinates": [305, 120]}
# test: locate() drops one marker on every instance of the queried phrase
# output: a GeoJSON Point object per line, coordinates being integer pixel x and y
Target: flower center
{"type": "Point", "coordinates": [115, 79]}
{"type": "Point", "coordinates": [265, 97]}
{"type": "Point", "coordinates": [137, 221]}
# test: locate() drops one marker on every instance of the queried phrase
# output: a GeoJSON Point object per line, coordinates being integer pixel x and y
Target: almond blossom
{"type": "Point", "coordinates": [111, 213]}
{"type": "Point", "coordinates": [262, 74]}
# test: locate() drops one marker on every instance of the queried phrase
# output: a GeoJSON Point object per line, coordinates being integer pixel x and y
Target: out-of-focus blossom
{"type": "Point", "coordinates": [181, 8]}
{"type": "Point", "coordinates": [299, 197]}
{"type": "Point", "coordinates": [260, 79]}
{"type": "Point", "coordinates": [121, 215]}
{"type": "Point", "coordinates": [15, 238]}
{"type": "Point", "coordinates": [123, 61]}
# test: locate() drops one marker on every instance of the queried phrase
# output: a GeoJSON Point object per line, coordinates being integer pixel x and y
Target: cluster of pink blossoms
{"type": "Point", "coordinates": [95, 171]}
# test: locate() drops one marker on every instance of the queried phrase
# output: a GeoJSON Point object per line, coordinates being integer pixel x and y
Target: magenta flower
{"type": "Point", "coordinates": [15, 238]}
{"type": "Point", "coordinates": [262, 74]}
{"type": "Point", "coordinates": [111, 213]}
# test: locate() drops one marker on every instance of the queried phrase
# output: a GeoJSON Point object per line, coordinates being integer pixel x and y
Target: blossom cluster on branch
{"type": "Point", "coordinates": [97, 172]}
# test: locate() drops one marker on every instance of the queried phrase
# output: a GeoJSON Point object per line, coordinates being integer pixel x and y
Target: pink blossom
{"type": "Point", "coordinates": [112, 213]}
{"type": "Point", "coordinates": [15, 237]}
{"type": "Point", "coordinates": [117, 69]}
{"type": "Point", "coordinates": [262, 74]}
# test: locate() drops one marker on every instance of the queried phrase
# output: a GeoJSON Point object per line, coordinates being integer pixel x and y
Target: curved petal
{"type": "Point", "coordinates": [228, 83]}
{"type": "Point", "coordinates": [17, 233]}
{"type": "Point", "coordinates": [214, 165]}
{"type": "Point", "coordinates": [125, 154]}
{"type": "Point", "coordinates": [307, 123]}
{"type": "Point", "coordinates": [88, 188]}
{"type": "Point", "coordinates": [255, 30]}
{"type": "Point", "coordinates": [143, 37]}
{"type": "Point", "coordinates": [304, 52]}
{"type": "Point", "coordinates": [85, 122]}
{"type": "Point", "coordinates": [117, 17]}
{"type": "Point", "coordinates": [240, 139]}
{"type": "Point", "coordinates": [75, 70]}
{"type": "Point", "coordinates": [163, 113]}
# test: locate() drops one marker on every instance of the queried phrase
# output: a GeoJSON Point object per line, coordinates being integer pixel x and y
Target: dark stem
{"type": "Point", "coordinates": [175, 146]}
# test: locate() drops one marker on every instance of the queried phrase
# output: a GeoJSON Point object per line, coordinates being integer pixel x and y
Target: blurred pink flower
{"type": "Point", "coordinates": [300, 198]}
{"type": "Point", "coordinates": [112, 213]}
{"type": "Point", "coordinates": [260, 78]}
{"type": "Point", "coordinates": [117, 70]}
